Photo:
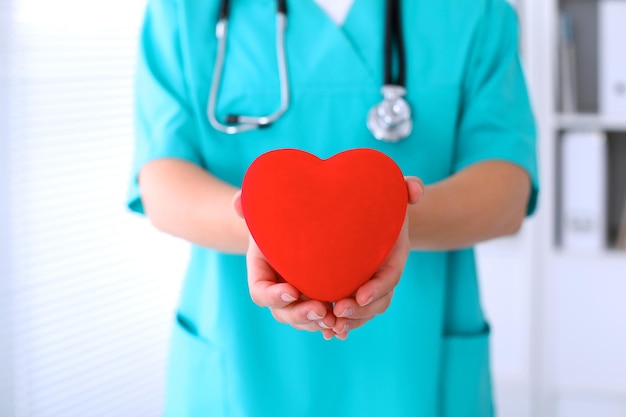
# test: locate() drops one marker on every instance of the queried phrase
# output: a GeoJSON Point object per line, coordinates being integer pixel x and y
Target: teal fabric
{"type": "Point", "coordinates": [428, 354]}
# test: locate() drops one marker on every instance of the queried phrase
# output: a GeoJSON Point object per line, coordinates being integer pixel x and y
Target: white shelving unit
{"type": "Point", "coordinates": [592, 121]}
{"type": "Point", "coordinates": [578, 344]}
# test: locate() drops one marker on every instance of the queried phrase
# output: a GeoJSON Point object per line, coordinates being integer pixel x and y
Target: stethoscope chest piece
{"type": "Point", "coordinates": [390, 120]}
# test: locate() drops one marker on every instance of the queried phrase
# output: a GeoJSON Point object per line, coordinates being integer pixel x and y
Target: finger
{"type": "Point", "coordinates": [382, 283]}
{"type": "Point", "coordinates": [311, 327]}
{"type": "Point", "coordinates": [329, 320]}
{"type": "Point", "coordinates": [348, 308]}
{"type": "Point", "coordinates": [342, 336]}
{"type": "Point", "coordinates": [343, 326]}
{"type": "Point", "coordinates": [361, 315]}
{"type": "Point", "coordinates": [314, 327]}
{"type": "Point", "coordinates": [237, 204]}
{"type": "Point", "coordinates": [387, 276]}
{"type": "Point", "coordinates": [266, 293]}
{"type": "Point", "coordinates": [263, 284]}
{"type": "Point", "coordinates": [328, 334]}
{"type": "Point", "coordinates": [415, 188]}
{"type": "Point", "coordinates": [302, 313]}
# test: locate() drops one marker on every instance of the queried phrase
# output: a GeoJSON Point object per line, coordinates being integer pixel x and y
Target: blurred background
{"type": "Point", "coordinates": [87, 290]}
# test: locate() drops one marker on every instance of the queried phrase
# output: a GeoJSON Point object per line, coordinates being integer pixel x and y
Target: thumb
{"type": "Point", "coordinates": [237, 204]}
{"type": "Point", "coordinates": [415, 189]}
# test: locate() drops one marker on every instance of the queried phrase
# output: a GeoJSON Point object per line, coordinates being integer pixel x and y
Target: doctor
{"type": "Point", "coordinates": [309, 74]}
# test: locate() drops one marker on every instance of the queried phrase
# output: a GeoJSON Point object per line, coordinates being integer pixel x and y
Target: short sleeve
{"type": "Point", "coordinates": [164, 126]}
{"type": "Point", "coordinates": [496, 121]}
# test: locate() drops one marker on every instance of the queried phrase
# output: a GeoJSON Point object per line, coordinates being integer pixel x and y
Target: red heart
{"type": "Point", "coordinates": [325, 226]}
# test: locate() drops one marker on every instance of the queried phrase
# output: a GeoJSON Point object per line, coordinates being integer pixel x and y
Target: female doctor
{"type": "Point", "coordinates": [455, 114]}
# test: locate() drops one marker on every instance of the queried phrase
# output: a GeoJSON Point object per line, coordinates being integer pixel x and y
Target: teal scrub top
{"type": "Point", "coordinates": [428, 354]}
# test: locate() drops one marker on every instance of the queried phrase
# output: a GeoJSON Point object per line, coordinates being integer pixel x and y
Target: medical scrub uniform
{"type": "Point", "coordinates": [428, 354]}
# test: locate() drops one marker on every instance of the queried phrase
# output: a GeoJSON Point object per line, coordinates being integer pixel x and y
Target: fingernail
{"type": "Point", "coordinates": [323, 325]}
{"type": "Point", "coordinates": [326, 337]}
{"type": "Point", "coordinates": [368, 301]}
{"type": "Point", "coordinates": [345, 328]}
{"type": "Point", "coordinates": [312, 315]}
{"type": "Point", "coordinates": [349, 312]}
{"type": "Point", "coordinates": [287, 298]}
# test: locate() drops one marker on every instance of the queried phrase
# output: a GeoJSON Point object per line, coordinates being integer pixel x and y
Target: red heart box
{"type": "Point", "coordinates": [325, 226]}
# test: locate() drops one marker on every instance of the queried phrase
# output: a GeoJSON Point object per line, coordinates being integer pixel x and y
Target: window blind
{"type": "Point", "coordinates": [92, 287]}
{"type": "Point", "coordinates": [6, 351]}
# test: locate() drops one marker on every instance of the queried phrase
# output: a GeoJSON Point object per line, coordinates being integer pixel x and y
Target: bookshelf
{"type": "Point", "coordinates": [578, 316]}
{"type": "Point", "coordinates": [592, 121]}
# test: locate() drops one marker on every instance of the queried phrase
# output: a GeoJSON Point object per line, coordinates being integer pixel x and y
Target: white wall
{"type": "Point", "coordinates": [91, 287]}
{"type": "Point", "coordinates": [506, 270]}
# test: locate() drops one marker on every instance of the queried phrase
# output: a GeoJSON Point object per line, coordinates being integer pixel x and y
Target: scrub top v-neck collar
{"type": "Point", "coordinates": [337, 10]}
{"type": "Point", "coordinates": [362, 20]}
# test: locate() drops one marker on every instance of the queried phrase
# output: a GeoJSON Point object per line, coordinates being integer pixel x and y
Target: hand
{"type": "Point", "coordinates": [286, 303]}
{"type": "Point", "coordinates": [374, 297]}
{"type": "Point", "coordinates": [288, 306]}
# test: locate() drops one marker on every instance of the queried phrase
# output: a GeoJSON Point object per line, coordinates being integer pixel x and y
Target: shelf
{"type": "Point", "coordinates": [591, 121]}
{"type": "Point", "coordinates": [612, 256]}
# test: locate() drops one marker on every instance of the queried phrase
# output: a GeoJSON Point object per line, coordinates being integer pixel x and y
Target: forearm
{"type": "Point", "coordinates": [483, 201]}
{"type": "Point", "coordinates": [185, 201]}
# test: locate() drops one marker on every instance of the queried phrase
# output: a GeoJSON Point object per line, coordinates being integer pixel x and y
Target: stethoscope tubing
{"type": "Point", "coordinates": [243, 123]}
{"type": "Point", "coordinates": [264, 121]}
{"type": "Point", "coordinates": [220, 32]}
{"type": "Point", "coordinates": [393, 31]}
{"type": "Point", "coordinates": [389, 121]}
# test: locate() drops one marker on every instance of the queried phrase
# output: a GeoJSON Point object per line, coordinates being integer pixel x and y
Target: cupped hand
{"type": "Point", "coordinates": [374, 297]}
{"type": "Point", "coordinates": [289, 306]}
{"type": "Point", "coordinates": [286, 303]}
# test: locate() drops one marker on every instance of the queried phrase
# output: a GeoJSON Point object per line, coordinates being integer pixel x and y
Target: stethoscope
{"type": "Point", "coordinates": [389, 121]}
